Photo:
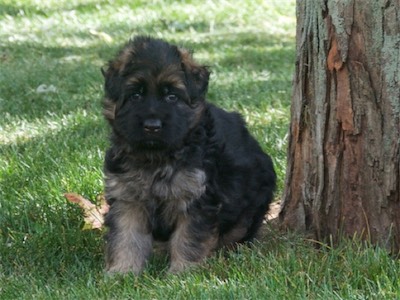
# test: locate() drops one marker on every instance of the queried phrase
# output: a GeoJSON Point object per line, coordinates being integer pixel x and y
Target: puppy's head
{"type": "Point", "coordinates": [154, 94]}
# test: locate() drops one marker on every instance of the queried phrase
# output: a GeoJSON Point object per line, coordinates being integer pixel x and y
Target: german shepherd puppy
{"type": "Point", "coordinates": [179, 169]}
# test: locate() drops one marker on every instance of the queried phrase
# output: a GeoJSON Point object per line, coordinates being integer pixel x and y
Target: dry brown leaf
{"type": "Point", "coordinates": [93, 214]}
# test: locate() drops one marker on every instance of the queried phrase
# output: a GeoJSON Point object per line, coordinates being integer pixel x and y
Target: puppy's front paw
{"type": "Point", "coordinates": [180, 266]}
{"type": "Point", "coordinates": [122, 268]}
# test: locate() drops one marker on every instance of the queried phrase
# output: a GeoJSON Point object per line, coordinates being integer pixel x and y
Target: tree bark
{"type": "Point", "coordinates": [343, 169]}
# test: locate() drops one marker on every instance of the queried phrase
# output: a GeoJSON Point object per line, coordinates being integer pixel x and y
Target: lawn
{"type": "Point", "coordinates": [53, 138]}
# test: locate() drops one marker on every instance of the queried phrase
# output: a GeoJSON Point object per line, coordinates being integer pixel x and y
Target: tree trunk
{"type": "Point", "coordinates": [343, 172]}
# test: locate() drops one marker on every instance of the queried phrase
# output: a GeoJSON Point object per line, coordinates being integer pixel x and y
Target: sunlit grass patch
{"type": "Point", "coordinates": [21, 130]}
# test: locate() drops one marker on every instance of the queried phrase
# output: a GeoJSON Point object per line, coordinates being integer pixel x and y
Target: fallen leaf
{"type": "Point", "coordinates": [93, 214]}
{"type": "Point", "coordinates": [274, 210]}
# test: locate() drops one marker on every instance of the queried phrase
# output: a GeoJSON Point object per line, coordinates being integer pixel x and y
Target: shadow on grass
{"type": "Point", "coordinates": [39, 229]}
{"type": "Point", "coordinates": [72, 70]}
{"type": "Point", "coordinates": [75, 71]}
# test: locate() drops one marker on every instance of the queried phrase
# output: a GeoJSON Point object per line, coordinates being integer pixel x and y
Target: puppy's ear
{"type": "Point", "coordinates": [103, 72]}
{"type": "Point", "coordinates": [112, 88]}
{"type": "Point", "coordinates": [113, 73]}
{"type": "Point", "coordinates": [197, 76]}
{"type": "Point", "coordinates": [112, 82]}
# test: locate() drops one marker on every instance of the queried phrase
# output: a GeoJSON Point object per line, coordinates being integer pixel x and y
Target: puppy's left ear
{"type": "Point", "coordinates": [197, 76]}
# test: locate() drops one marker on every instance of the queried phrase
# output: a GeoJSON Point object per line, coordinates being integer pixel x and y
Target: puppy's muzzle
{"type": "Point", "coordinates": [152, 125]}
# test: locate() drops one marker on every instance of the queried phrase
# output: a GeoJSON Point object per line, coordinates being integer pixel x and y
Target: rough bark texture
{"type": "Point", "coordinates": [343, 174]}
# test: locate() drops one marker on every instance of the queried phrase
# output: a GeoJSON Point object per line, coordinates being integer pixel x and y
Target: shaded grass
{"type": "Point", "coordinates": [284, 268]}
{"type": "Point", "coordinates": [51, 143]}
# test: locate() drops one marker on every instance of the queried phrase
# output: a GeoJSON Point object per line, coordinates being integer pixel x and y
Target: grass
{"type": "Point", "coordinates": [53, 142]}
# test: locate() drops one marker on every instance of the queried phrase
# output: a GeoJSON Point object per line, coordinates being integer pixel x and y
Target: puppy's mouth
{"type": "Point", "coordinates": [152, 144]}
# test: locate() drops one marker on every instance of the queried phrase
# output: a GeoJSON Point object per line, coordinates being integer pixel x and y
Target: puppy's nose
{"type": "Point", "coordinates": [152, 125]}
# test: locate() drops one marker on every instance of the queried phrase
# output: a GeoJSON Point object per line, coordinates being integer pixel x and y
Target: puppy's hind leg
{"type": "Point", "coordinates": [129, 240]}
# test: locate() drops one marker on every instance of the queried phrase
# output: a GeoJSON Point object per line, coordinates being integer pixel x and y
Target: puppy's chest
{"type": "Point", "coordinates": [162, 185]}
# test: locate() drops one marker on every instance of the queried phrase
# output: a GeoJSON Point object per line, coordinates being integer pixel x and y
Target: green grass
{"type": "Point", "coordinates": [52, 143]}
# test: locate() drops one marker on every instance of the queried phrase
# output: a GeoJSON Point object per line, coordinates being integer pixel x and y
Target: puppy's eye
{"type": "Point", "coordinates": [136, 97]}
{"type": "Point", "coordinates": [171, 98]}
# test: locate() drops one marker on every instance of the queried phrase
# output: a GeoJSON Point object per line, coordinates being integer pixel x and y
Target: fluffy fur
{"type": "Point", "coordinates": [179, 169]}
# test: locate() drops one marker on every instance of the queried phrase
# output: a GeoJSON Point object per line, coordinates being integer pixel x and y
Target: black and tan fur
{"type": "Point", "coordinates": [179, 170]}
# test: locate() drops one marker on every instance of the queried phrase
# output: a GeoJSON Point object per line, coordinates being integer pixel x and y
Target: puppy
{"type": "Point", "coordinates": [179, 169]}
